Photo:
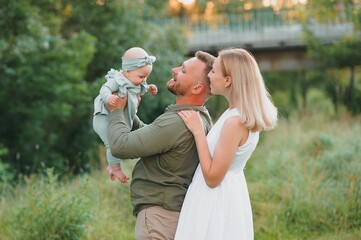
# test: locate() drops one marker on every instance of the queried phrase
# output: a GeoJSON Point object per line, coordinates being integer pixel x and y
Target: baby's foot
{"type": "Point", "coordinates": [122, 177]}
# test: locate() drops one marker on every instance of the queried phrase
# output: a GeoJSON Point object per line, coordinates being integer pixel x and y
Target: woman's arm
{"type": "Point", "coordinates": [233, 135]}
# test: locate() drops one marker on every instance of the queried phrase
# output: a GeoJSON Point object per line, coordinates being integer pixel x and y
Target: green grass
{"type": "Point", "coordinates": [87, 207]}
{"type": "Point", "coordinates": [304, 182]}
{"type": "Point", "coordinates": [113, 218]}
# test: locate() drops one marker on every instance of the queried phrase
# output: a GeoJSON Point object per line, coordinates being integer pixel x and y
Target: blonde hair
{"type": "Point", "coordinates": [248, 90]}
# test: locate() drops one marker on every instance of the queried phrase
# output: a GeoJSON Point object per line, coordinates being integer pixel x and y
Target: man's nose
{"type": "Point", "coordinates": [175, 70]}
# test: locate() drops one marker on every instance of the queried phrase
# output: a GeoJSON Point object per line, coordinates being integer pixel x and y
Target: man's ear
{"type": "Point", "coordinates": [228, 81]}
{"type": "Point", "coordinates": [198, 89]}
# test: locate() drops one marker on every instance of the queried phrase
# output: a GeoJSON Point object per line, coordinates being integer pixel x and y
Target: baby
{"type": "Point", "coordinates": [131, 80]}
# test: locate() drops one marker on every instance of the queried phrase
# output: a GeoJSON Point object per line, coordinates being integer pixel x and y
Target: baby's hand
{"type": "Point", "coordinates": [112, 99]}
{"type": "Point", "coordinates": [153, 89]}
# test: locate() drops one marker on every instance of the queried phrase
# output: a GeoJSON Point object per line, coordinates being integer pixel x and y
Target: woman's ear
{"type": "Point", "coordinates": [228, 81]}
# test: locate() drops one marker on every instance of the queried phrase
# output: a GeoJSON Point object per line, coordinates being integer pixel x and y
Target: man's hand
{"type": "Point", "coordinates": [112, 99]}
{"type": "Point", "coordinates": [118, 103]}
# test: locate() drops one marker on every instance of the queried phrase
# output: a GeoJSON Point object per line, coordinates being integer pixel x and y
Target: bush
{"type": "Point", "coordinates": [6, 174]}
{"type": "Point", "coordinates": [49, 211]}
{"type": "Point", "coordinates": [319, 103]}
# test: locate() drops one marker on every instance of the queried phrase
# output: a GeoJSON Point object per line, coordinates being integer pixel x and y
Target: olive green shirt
{"type": "Point", "coordinates": [167, 152]}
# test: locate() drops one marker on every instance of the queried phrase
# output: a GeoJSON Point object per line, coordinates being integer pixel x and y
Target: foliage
{"type": "Point", "coordinates": [55, 55]}
{"type": "Point", "coordinates": [169, 54]}
{"type": "Point", "coordinates": [334, 60]}
{"type": "Point", "coordinates": [303, 180]}
{"type": "Point", "coordinates": [341, 60]}
{"type": "Point", "coordinates": [326, 10]}
{"type": "Point", "coordinates": [111, 207]}
{"type": "Point", "coordinates": [284, 91]}
{"type": "Point", "coordinates": [42, 92]}
{"type": "Point", "coordinates": [318, 103]}
{"type": "Point", "coordinates": [87, 207]}
{"type": "Point", "coordinates": [6, 175]}
{"type": "Point", "coordinates": [47, 210]}
{"type": "Point", "coordinates": [119, 25]}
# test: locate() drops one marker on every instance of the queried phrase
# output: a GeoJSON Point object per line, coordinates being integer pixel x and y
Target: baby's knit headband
{"type": "Point", "coordinates": [134, 63]}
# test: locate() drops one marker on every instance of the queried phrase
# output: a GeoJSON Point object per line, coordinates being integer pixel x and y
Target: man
{"type": "Point", "coordinates": [167, 150]}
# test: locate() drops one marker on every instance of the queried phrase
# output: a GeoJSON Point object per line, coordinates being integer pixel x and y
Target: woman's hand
{"type": "Point", "coordinates": [192, 120]}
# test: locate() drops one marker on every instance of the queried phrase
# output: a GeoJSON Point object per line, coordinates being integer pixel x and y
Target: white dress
{"type": "Point", "coordinates": [223, 212]}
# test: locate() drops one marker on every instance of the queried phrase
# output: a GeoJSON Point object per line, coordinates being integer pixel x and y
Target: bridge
{"type": "Point", "coordinates": [276, 39]}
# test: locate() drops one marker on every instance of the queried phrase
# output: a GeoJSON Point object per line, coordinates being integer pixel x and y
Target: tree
{"type": "Point", "coordinates": [54, 55]}
{"type": "Point", "coordinates": [338, 56]}
{"type": "Point", "coordinates": [42, 91]}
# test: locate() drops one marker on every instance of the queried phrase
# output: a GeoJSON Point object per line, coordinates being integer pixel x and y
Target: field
{"type": "Point", "coordinates": [304, 182]}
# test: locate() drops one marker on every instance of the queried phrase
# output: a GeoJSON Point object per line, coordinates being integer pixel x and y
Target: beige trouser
{"type": "Point", "coordinates": [156, 223]}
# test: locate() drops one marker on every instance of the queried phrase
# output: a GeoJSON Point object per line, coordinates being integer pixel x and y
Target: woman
{"type": "Point", "coordinates": [217, 204]}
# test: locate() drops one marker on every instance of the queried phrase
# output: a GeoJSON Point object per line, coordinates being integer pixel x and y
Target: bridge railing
{"type": "Point", "coordinates": [263, 28]}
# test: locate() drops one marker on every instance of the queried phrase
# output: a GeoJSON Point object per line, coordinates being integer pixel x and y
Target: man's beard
{"type": "Point", "coordinates": [171, 86]}
{"type": "Point", "coordinates": [171, 89]}
{"type": "Point", "coordinates": [175, 88]}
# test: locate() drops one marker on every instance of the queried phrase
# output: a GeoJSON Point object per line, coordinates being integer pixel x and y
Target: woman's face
{"type": "Point", "coordinates": [217, 78]}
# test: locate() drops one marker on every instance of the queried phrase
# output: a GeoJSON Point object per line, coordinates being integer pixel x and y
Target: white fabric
{"type": "Point", "coordinates": [224, 212]}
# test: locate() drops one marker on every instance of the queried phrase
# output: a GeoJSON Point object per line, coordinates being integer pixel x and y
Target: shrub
{"type": "Point", "coordinates": [49, 211]}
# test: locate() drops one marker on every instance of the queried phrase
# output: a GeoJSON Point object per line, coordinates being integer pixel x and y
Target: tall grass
{"type": "Point", "coordinates": [45, 210]}
{"type": "Point", "coordinates": [304, 181]}
{"type": "Point", "coordinates": [87, 207]}
{"type": "Point", "coordinates": [112, 210]}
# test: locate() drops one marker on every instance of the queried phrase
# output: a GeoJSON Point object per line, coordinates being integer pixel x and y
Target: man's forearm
{"type": "Point", "coordinates": [157, 137]}
{"type": "Point", "coordinates": [137, 123]}
{"type": "Point", "coordinates": [117, 134]}
{"type": "Point", "coordinates": [128, 144]}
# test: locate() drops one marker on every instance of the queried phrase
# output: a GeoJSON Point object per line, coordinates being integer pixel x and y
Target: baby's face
{"type": "Point", "coordinates": [139, 75]}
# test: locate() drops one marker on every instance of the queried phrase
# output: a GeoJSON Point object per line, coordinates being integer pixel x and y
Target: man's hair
{"type": "Point", "coordinates": [208, 59]}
